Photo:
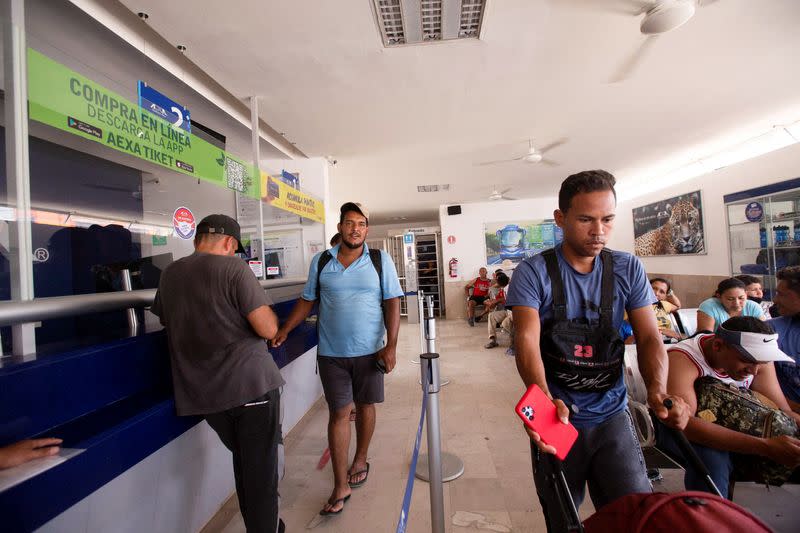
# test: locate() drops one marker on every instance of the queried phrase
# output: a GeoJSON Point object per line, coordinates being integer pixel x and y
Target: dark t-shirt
{"type": "Point", "coordinates": [218, 361]}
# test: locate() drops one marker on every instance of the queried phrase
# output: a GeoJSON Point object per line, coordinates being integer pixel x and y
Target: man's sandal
{"type": "Point", "coordinates": [333, 503]}
{"type": "Point", "coordinates": [357, 484]}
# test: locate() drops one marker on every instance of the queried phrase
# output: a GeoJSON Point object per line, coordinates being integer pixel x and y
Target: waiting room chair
{"type": "Point", "coordinates": [640, 414]}
{"type": "Point", "coordinates": [686, 320]}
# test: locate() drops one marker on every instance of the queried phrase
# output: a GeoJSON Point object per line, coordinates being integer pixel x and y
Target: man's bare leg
{"type": "Point", "coordinates": [365, 427]}
{"type": "Point", "coordinates": [339, 444]}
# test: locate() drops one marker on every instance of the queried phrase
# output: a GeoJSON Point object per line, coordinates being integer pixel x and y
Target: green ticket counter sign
{"type": "Point", "coordinates": [64, 99]}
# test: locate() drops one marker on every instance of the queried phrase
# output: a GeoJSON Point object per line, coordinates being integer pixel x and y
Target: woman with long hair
{"type": "Point", "coordinates": [729, 300]}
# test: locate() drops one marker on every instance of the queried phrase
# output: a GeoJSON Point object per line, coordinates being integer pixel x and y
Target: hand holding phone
{"type": "Point", "coordinates": [539, 413]}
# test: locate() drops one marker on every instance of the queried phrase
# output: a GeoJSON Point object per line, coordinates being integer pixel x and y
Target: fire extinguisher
{"type": "Point", "coordinates": [453, 268]}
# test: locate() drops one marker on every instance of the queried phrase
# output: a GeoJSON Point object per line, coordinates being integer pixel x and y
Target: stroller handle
{"type": "Point", "coordinates": [690, 454]}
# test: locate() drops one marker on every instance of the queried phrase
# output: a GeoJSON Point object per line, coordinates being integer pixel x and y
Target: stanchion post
{"type": "Point", "coordinates": [421, 312]}
{"type": "Point", "coordinates": [448, 466]}
{"type": "Point", "coordinates": [430, 327]}
{"type": "Point", "coordinates": [430, 386]}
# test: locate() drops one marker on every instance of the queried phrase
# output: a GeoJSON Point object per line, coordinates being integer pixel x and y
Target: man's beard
{"type": "Point", "coordinates": [352, 245]}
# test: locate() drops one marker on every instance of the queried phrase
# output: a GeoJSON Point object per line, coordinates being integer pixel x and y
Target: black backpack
{"type": "Point", "coordinates": [375, 257]}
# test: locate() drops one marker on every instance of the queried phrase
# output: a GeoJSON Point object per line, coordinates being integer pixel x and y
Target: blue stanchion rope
{"type": "Point", "coordinates": [402, 522]}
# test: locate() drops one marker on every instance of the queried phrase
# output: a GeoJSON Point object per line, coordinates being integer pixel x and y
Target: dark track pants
{"type": "Point", "coordinates": [252, 433]}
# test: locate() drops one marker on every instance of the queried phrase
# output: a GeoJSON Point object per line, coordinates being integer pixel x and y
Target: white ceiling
{"type": "Point", "coordinates": [397, 118]}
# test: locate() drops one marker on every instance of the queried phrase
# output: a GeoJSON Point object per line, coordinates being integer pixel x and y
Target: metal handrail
{"type": "Point", "coordinates": [38, 309]}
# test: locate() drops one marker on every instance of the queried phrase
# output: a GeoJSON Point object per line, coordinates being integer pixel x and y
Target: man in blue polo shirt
{"type": "Point", "coordinates": [568, 304]}
{"type": "Point", "coordinates": [357, 306]}
{"type": "Point", "coordinates": [787, 326]}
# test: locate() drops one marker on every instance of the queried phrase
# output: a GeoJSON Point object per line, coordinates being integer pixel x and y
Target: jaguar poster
{"type": "Point", "coordinates": [670, 227]}
{"type": "Point", "coordinates": [508, 243]}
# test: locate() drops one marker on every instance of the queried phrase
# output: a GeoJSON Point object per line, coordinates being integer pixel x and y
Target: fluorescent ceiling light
{"type": "Point", "coordinates": [774, 139]}
{"type": "Point", "coordinates": [49, 218]}
{"type": "Point", "coordinates": [794, 130]}
{"type": "Point", "coordinates": [8, 213]}
{"type": "Point", "coordinates": [150, 229]}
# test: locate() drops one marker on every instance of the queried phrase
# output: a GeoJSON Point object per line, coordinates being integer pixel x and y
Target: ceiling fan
{"type": "Point", "coordinates": [658, 17]}
{"type": "Point", "coordinates": [533, 155]}
{"type": "Point", "coordinates": [500, 195]}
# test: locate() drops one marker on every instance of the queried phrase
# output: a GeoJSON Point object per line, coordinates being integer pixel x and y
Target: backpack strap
{"type": "Point", "coordinates": [377, 262]}
{"type": "Point", "coordinates": [556, 284]}
{"type": "Point", "coordinates": [607, 288]}
{"type": "Point", "coordinates": [324, 258]}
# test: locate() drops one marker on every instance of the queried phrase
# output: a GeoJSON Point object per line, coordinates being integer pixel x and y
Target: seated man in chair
{"type": "Point", "coordinates": [480, 292]}
{"type": "Point", "coordinates": [740, 356]}
{"type": "Point", "coordinates": [496, 308]}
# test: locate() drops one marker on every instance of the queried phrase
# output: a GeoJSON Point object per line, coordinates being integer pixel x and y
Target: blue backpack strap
{"type": "Point", "coordinates": [324, 258]}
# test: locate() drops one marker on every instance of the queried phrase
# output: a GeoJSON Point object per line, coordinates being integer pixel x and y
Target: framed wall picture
{"type": "Point", "coordinates": [673, 226]}
{"type": "Point", "coordinates": [508, 243]}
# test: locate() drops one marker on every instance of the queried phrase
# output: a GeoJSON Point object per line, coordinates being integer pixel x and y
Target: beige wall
{"type": "Point", "coordinates": [690, 289]}
{"type": "Point", "coordinates": [770, 168]}
{"type": "Point", "coordinates": [455, 301]}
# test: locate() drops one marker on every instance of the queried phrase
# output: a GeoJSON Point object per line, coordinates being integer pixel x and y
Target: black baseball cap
{"type": "Point", "coordinates": [222, 225]}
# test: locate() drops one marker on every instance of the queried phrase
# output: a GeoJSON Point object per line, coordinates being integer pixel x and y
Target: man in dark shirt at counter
{"type": "Point", "coordinates": [217, 317]}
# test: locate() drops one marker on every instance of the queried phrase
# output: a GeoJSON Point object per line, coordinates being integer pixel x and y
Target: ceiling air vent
{"type": "Point", "coordinates": [390, 20]}
{"type": "Point", "coordinates": [403, 22]}
{"type": "Point", "coordinates": [471, 15]}
{"type": "Point", "coordinates": [433, 188]}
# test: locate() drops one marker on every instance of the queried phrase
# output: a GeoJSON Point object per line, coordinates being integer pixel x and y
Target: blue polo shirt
{"type": "Point", "coordinates": [531, 288]}
{"type": "Point", "coordinates": [350, 315]}
{"type": "Point", "coordinates": [788, 330]}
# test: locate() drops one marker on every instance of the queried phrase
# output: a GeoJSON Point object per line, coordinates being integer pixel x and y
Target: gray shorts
{"type": "Point", "coordinates": [350, 379]}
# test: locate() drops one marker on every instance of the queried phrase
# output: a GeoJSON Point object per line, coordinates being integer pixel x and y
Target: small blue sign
{"type": "Point", "coordinates": [164, 107]}
{"type": "Point", "coordinates": [290, 179]}
{"type": "Point", "coordinates": [754, 212]}
{"type": "Point", "coordinates": [408, 238]}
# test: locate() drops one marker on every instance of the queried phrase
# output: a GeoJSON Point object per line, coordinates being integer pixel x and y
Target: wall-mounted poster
{"type": "Point", "coordinates": [670, 227]}
{"type": "Point", "coordinates": [508, 243]}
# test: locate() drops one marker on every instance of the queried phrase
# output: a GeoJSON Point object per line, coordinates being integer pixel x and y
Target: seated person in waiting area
{"type": "Point", "coordinates": [480, 292]}
{"type": "Point", "coordinates": [667, 303]}
{"type": "Point", "coordinates": [500, 317]}
{"type": "Point", "coordinates": [497, 297]}
{"type": "Point", "coordinates": [741, 353]}
{"type": "Point", "coordinates": [787, 299]}
{"type": "Point", "coordinates": [755, 292]}
{"type": "Point", "coordinates": [728, 301]}
{"type": "Point", "coordinates": [494, 276]}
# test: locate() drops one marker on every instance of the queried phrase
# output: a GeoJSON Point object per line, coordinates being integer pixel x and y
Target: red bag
{"type": "Point", "coordinates": [682, 512]}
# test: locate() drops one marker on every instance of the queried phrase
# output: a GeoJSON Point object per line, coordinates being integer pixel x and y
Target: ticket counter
{"type": "Point", "coordinates": [136, 465]}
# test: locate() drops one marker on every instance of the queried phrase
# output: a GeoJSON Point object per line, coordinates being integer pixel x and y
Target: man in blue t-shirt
{"type": "Point", "coordinates": [356, 308]}
{"type": "Point", "coordinates": [787, 326]}
{"type": "Point", "coordinates": [568, 305]}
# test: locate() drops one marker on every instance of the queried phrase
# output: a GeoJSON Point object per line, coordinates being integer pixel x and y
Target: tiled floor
{"type": "Point", "coordinates": [478, 425]}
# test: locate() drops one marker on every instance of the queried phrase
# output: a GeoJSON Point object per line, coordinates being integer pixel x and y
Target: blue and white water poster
{"type": "Point", "coordinates": [508, 243]}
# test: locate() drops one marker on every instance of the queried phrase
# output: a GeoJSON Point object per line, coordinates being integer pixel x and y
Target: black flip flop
{"type": "Point", "coordinates": [333, 504]}
{"type": "Point", "coordinates": [358, 483]}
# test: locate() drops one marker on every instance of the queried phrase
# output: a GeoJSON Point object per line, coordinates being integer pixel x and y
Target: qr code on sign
{"type": "Point", "coordinates": [238, 179]}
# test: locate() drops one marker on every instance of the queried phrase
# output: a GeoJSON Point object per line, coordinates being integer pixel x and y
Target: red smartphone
{"type": "Point", "coordinates": [539, 414]}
